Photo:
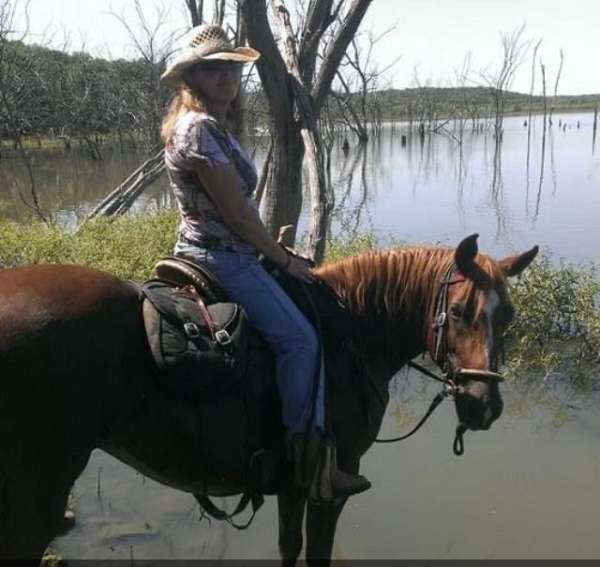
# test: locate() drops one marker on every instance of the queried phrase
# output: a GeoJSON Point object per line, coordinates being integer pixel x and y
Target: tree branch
{"type": "Point", "coordinates": [271, 67]}
{"type": "Point", "coordinates": [336, 51]}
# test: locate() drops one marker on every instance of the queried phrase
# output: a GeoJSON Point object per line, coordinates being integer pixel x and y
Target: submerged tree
{"type": "Point", "coordinates": [297, 84]}
{"type": "Point", "coordinates": [153, 45]}
{"type": "Point", "coordinates": [19, 85]}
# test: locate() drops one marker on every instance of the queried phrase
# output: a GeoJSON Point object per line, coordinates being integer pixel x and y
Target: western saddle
{"type": "Point", "coordinates": [183, 272]}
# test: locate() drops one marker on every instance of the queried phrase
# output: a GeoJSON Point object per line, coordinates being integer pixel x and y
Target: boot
{"type": "Point", "coordinates": [315, 466]}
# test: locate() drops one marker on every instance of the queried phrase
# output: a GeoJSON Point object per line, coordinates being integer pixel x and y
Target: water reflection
{"type": "Point", "coordinates": [525, 489]}
{"type": "Point", "coordinates": [349, 217]}
{"type": "Point", "coordinates": [431, 188]}
{"type": "Point", "coordinates": [543, 403]}
{"type": "Point", "coordinates": [69, 184]}
{"type": "Point", "coordinates": [415, 188]}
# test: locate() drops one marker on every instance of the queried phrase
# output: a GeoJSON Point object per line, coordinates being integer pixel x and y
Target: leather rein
{"type": "Point", "coordinates": [441, 357]}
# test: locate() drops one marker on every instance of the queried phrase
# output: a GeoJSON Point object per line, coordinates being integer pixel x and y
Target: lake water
{"type": "Point", "coordinates": [423, 192]}
{"type": "Point", "coordinates": [428, 192]}
{"type": "Point", "coordinates": [526, 489]}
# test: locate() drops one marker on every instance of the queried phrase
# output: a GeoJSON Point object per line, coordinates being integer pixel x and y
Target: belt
{"type": "Point", "coordinates": [209, 244]}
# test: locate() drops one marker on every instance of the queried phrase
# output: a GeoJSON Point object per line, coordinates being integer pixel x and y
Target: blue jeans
{"type": "Point", "coordinates": [273, 314]}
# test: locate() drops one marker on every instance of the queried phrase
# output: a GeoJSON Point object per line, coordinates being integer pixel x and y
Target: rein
{"type": "Point", "coordinates": [442, 359]}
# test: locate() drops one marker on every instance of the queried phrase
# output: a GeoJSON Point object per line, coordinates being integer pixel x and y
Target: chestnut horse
{"type": "Point", "coordinates": [76, 374]}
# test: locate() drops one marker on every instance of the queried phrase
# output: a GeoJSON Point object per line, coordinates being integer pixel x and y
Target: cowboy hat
{"type": "Point", "coordinates": [206, 43]}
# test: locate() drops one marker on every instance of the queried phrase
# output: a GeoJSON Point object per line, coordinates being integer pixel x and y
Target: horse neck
{"type": "Point", "coordinates": [391, 297]}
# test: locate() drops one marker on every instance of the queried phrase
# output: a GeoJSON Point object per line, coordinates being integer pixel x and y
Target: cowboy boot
{"type": "Point", "coordinates": [303, 452]}
{"type": "Point", "coordinates": [315, 465]}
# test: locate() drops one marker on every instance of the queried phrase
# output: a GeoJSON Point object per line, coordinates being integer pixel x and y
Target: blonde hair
{"type": "Point", "coordinates": [183, 101]}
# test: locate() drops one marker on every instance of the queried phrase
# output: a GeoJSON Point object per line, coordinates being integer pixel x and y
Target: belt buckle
{"type": "Point", "coordinates": [223, 338]}
{"type": "Point", "coordinates": [192, 330]}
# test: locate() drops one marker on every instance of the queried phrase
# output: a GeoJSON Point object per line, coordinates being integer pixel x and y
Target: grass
{"type": "Point", "coordinates": [126, 246]}
{"type": "Point", "coordinates": [556, 332]}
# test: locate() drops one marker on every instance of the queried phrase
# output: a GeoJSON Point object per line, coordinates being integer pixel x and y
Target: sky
{"type": "Point", "coordinates": [431, 38]}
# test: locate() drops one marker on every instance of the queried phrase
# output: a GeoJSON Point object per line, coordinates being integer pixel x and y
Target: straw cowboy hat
{"type": "Point", "coordinates": [206, 43]}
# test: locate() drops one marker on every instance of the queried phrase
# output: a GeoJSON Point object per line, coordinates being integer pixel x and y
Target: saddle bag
{"type": "Point", "coordinates": [197, 348]}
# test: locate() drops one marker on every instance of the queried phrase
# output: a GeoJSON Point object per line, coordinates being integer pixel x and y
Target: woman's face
{"type": "Point", "coordinates": [216, 81]}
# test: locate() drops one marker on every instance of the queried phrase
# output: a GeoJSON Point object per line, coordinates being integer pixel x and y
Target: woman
{"type": "Point", "coordinates": [213, 180]}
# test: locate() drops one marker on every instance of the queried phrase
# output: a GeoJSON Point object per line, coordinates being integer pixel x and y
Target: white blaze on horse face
{"type": "Point", "coordinates": [491, 305]}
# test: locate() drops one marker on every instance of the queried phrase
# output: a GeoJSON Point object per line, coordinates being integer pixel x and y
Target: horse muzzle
{"type": "Point", "coordinates": [478, 404]}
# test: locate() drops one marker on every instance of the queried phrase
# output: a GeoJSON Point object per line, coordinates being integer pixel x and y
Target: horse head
{"type": "Point", "coordinates": [472, 312]}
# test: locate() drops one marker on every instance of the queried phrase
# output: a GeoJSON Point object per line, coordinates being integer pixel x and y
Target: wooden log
{"type": "Point", "coordinates": [124, 195]}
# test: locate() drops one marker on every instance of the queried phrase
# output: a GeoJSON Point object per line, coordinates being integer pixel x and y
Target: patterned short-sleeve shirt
{"type": "Point", "coordinates": [199, 139]}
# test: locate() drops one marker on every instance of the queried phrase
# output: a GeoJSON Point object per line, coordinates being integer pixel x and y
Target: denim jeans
{"type": "Point", "coordinates": [273, 314]}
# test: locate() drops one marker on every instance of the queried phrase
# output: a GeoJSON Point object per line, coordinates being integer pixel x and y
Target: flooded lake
{"type": "Point", "coordinates": [526, 489]}
{"type": "Point", "coordinates": [425, 191]}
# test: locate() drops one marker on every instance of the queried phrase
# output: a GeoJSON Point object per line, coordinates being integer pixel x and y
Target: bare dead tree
{"type": "Point", "coordinates": [154, 46]}
{"type": "Point", "coordinates": [17, 79]}
{"type": "Point", "coordinates": [499, 82]}
{"type": "Point", "coordinates": [595, 130]}
{"type": "Point", "coordinates": [120, 200]}
{"type": "Point", "coordinates": [514, 50]}
{"type": "Point", "coordinates": [349, 114]}
{"type": "Point", "coordinates": [196, 11]}
{"type": "Point", "coordinates": [296, 85]}
{"type": "Point", "coordinates": [367, 75]}
{"type": "Point", "coordinates": [558, 76]}
{"type": "Point", "coordinates": [426, 108]}
{"type": "Point", "coordinates": [219, 12]}
{"type": "Point", "coordinates": [544, 131]}
{"type": "Point", "coordinates": [530, 114]}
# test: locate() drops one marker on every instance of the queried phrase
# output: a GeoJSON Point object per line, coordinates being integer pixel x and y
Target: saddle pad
{"type": "Point", "coordinates": [197, 349]}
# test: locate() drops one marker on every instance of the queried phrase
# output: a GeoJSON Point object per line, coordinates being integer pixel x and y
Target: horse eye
{"type": "Point", "coordinates": [456, 311]}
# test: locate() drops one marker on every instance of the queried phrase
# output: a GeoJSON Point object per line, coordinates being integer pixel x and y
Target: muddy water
{"type": "Point", "coordinates": [526, 489]}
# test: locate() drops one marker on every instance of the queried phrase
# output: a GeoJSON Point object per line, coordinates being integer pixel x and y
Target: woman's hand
{"type": "Point", "coordinates": [300, 268]}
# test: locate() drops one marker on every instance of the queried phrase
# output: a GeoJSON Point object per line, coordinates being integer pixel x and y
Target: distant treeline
{"type": "Point", "coordinates": [401, 104]}
{"type": "Point", "coordinates": [47, 93]}
{"type": "Point", "coordinates": [75, 97]}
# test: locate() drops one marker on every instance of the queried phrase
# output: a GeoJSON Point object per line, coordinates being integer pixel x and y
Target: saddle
{"type": "Point", "coordinates": [255, 395]}
{"type": "Point", "coordinates": [181, 272]}
{"type": "Point", "coordinates": [318, 302]}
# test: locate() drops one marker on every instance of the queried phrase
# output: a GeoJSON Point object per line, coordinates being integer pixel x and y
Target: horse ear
{"type": "Point", "coordinates": [464, 255]}
{"type": "Point", "coordinates": [514, 265]}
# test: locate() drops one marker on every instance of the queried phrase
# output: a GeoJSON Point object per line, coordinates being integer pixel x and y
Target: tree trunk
{"type": "Point", "coordinates": [283, 190]}
{"type": "Point", "coordinates": [295, 109]}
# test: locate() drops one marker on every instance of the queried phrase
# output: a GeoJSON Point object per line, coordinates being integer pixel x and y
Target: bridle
{"type": "Point", "coordinates": [440, 353]}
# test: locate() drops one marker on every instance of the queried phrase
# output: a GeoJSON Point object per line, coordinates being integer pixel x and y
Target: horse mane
{"type": "Point", "coordinates": [403, 280]}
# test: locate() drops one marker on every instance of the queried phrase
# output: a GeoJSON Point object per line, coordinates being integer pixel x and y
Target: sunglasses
{"type": "Point", "coordinates": [219, 66]}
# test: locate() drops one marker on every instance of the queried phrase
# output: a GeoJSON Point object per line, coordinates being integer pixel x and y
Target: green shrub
{"type": "Point", "coordinates": [557, 328]}
{"type": "Point", "coordinates": [126, 246]}
{"type": "Point", "coordinates": [337, 248]}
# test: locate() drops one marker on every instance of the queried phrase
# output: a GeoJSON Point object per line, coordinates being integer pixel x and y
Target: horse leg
{"type": "Point", "coordinates": [321, 522]}
{"type": "Point", "coordinates": [24, 534]}
{"type": "Point", "coordinates": [291, 503]}
{"type": "Point", "coordinates": [32, 507]}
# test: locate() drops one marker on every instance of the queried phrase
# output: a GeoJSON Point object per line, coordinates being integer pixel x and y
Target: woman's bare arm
{"type": "Point", "coordinates": [222, 185]}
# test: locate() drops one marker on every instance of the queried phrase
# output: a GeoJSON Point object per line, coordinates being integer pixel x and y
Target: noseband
{"type": "Point", "coordinates": [441, 356]}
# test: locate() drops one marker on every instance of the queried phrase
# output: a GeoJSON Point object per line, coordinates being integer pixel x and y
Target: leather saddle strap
{"type": "Point", "coordinates": [257, 500]}
{"type": "Point", "coordinates": [208, 319]}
